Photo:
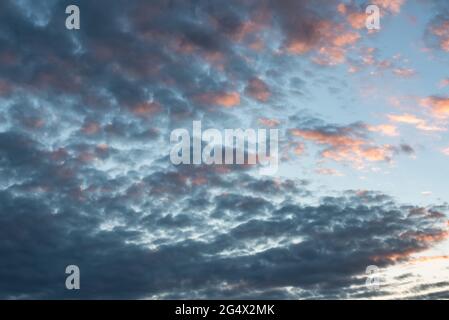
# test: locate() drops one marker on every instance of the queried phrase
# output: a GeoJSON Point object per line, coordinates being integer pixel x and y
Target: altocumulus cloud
{"type": "Point", "coordinates": [203, 232]}
{"type": "Point", "coordinates": [85, 118]}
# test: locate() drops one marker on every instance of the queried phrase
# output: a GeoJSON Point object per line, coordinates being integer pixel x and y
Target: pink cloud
{"type": "Point", "coordinates": [346, 147]}
{"type": "Point", "coordinates": [404, 72]}
{"type": "Point", "coordinates": [438, 105]}
{"type": "Point", "coordinates": [385, 129]}
{"type": "Point", "coordinates": [441, 31]}
{"type": "Point", "coordinates": [91, 128]}
{"type": "Point", "coordinates": [393, 6]}
{"type": "Point", "coordinates": [146, 109]}
{"type": "Point", "coordinates": [223, 99]}
{"type": "Point", "coordinates": [419, 123]}
{"type": "Point", "coordinates": [258, 90]}
{"type": "Point", "coordinates": [269, 122]}
{"type": "Point", "coordinates": [444, 83]}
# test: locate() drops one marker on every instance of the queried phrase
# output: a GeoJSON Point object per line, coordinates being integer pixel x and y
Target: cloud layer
{"type": "Point", "coordinates": [85, 119]}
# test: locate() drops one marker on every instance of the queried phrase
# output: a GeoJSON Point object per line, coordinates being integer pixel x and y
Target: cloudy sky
{"type": "Point", "coordinates": [86, 178]}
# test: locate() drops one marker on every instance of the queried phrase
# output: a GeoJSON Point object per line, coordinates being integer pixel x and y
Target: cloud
{"type": "Point", "coordinates": [269, 122]}
{"type": "Point", "coordinates": [393, 6]}
{"type": "Point", "coordinates": [419, 123]}
{"type": "Point", "coordinates": [259, 246]}
{"type": "Point", "coordinates": [324, 37]}
{"type": "Point", "coordinates": [405, 148]}
{"type": "Point", "coordinates": [245, 235]}
{"type": "Point", "coordinates": [346, 39]}
{"type": "Point", "coordinates": [328, 172]}
{"type": "Point", "coordinates": [385, 129]}
{"type": "Point", "coordinates": [440, 30]}
{"type": "Point", "coordinates": [258, 90]}
{"type": "Point", "coordinates": [404, 72]}
{"type": "Point", "coordinates": [444, 83]}
{"type": "Point", "coordinates": [356, 18]}
{"type": "Point", "coordinates": [223, 99]}
{"type": "Point", "coordinates": [436, 33]}
{"type": "Point", "coordinates": [439, 106]}
{"type": "Point", "coordinates": [4, 88]}
{"type": "Point", "coordinates": [86, 177]}
{"type": "Point", "coordinates": [346, 143]}
{"type": "Point", "coordinates": [355, 12]}
{"type": "Point", "coordinates": [146, 108]}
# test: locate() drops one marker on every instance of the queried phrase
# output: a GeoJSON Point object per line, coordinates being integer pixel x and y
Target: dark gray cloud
{"type": "Point", "coordinates": [228, 245]}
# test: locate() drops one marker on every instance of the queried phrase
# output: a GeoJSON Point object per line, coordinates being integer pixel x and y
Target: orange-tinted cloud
{"type": "Point", "coordinates": [258, 90]}
{"type": "Point", "coordinates": [346, 39]}
{"type": "Point", "coordinates": [246, 29]}
{"type": "Point", "coordinates": [215, 58]}
{"type": "Point", "coordinates": [357, 20]}
{"type": "Point", "coordinates": [346, 147]}
{"type": "Point", "coordinates": [404, 72]}
{"type": "Point", "coordinates": [257, 45]}
{"type": "Point", "coordinates": [430, 258]}
{"type": "Point", "coordinates": [297, 46]}
{"type": "Point", "coordinates": [330, 56]}
{"type": "Point", "coordinates": [393, 6]}
{"type": "Point", "coordinates": [334, 48]}
{"type": "Point", "coordinates": [444, 83]}
{"type": "Point", "coordinates": [441, 31]}
{"type": "Point", "coordinates": [428, 238]}
{"type": "Point", "coordinates": [328, 42]}
{"type": "Point", "coordinates": [438, 105]}
{"type": "Point", "coordinates": [223, 99]}
{"type": "Point", "coordinates": [299, 148]}
{"type": "Point", "coordinates": [269, 122]}
{"type": "Point", "coordinates": [419, 123]}
{"type": "Point", "coordinates": [102, 147]}
{"type": "Point", "coordinates": [146, 108]}
{"type": "Point", "coordinates": [385, 129]}
{"type": "Point", "coordinates": [368, 56]}
{"type": "Point", "coordinates": [91, 128]}
{"type": "Point", "coordinates": [356, 16]}
{"type": "Point", "coordinates": [395, 256]}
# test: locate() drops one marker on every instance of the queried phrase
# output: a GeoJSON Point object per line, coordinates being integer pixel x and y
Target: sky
{"type": "Point", "coordinates": [86, 178]}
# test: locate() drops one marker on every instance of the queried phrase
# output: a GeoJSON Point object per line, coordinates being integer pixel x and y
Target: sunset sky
{"type": "Point", "coordinates": [86, 179]}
